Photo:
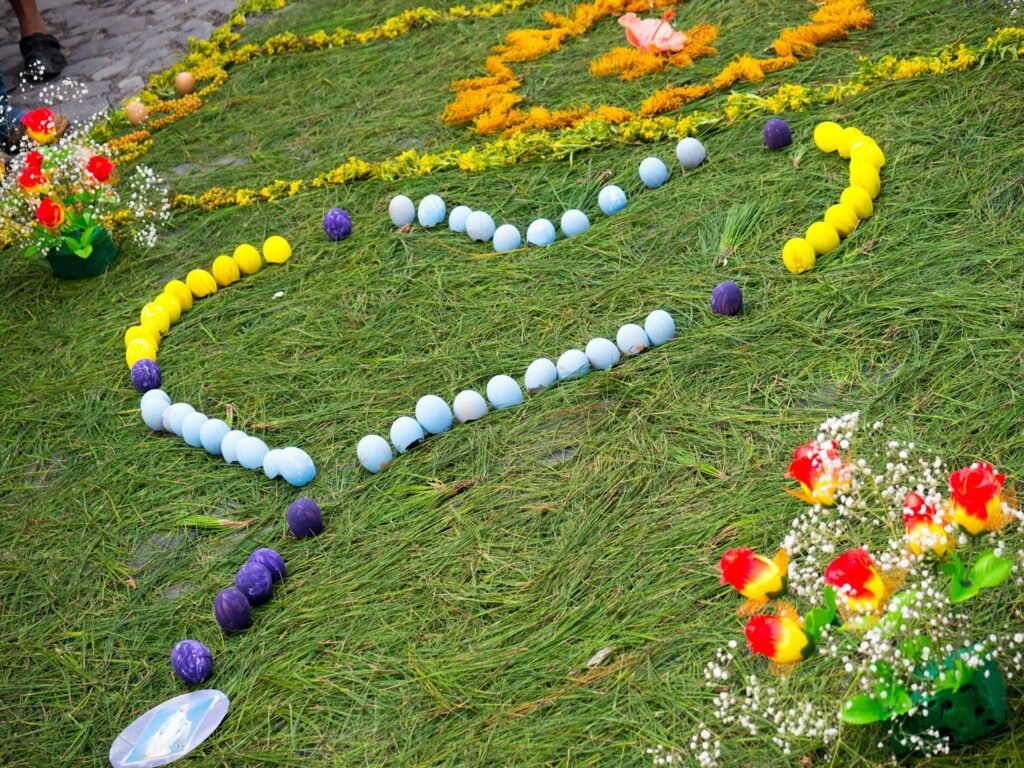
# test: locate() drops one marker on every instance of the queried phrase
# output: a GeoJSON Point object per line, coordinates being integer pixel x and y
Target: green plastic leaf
{"type": "Point", "coordinates": [990, 570]}
{"type": "Point", "coordinates": [84, 252]}
{"type": "Point", "coordinates": [863, 710]}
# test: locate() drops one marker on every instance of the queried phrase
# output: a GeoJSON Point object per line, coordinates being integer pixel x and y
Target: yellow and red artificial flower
{"type": "Point", "coordinates": [858, 582]}
{"type": "Point", "coordinates": [926, 531]}
{"type": "Point", "coordinates": [781, 638]}
{"type": "Point", "coordinates": [976, 498]}
{"type": "Point", "coordinates": [40, 125]}
{"type": "Point", "coordinates": [33, 180]}
{"type": "Point", "coordinates": [49, 213]}
{"type": "Point", "coordinates": [821, 472]}
{"type": "Point", "coordinates": [100, 168]}
{"type": "Point", "coordinates": [756, 577]}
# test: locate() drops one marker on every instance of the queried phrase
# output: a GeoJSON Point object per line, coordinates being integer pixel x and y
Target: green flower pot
{"type": "Point", "coordinates": [69, 266]}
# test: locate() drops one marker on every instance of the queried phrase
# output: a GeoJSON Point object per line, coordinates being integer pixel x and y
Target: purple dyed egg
{"type": "Point", "coordinates": [337, 224]}
{"type": "Point", "coordinates": [255, 582]}
{"type": "Point", "coordinates": [726, 299]}
{"type": "Point", "coordinates": [777, 134]}
{"type": "Point", "coordinates": [231, 610]}
{"type": "Point", "coordinates": [270, 560]}
{"type": "Point", "coordinates": [145, 375]}
{"type": "Point", "coordinates": [191, 661]}
{"type": "Point", "coordinates": [304, 518]}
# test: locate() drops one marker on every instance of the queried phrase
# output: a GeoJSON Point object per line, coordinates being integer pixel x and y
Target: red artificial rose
{"type": "Point", "coordinates": [34, 159]}
{"type": "Point", "coordinates": [40, 124]}
{"type": "Point", "coordinates": [49, 213]}
{"type": "Point", "coordinates": [32, 180]}
{"type": "Point", "coordinates": [100, 168]}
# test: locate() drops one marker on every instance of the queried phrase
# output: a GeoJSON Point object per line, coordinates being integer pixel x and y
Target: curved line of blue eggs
{"type": "Point", "coordinates": [215, 436]}
{"type": "Point", "coordinates": [434, 416]}
{"type": "Point", "coordinates": [480, 226]}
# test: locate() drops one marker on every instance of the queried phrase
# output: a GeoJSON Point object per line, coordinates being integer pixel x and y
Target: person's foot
{"type": "Point", "coordinates": [10, 139]}
{"type": "Point", "coordinates": [44, 59]}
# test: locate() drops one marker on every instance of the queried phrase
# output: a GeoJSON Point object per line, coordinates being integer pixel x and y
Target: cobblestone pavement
{"type": "Point", "coordinates": [111, 45]}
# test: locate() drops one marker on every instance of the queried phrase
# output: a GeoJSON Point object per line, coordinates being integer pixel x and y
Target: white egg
{"type": "Point", "coordinates": [574, 222]}
{"type": "Point", "coordinates": [659, 327]}
{"type": "Point", "coordinates": [602, 354]}
{"type": "Point", "coordinates": [469, 405]}
{"type": "Point", "coordinates": [480, 226]}
{"type": "Point", "coordinates": [153, 411]}
{"type": "Point", "coordinates": [174, 417]}
{"type": "Point", "coordinates": [457, 218]}
{"type": "Point", "coordinates": [690, 153]}
{"type": "Point", "coordinates": [271, 462]}
{"type": "Point", "coordinates": [250, 452]}
{"type": "Point", "coordinates": [572, 364]}
{"type": "Point", "coordinates": [431, 211]}
{"type": "Point", "coordinates": [433, 414]}
{"type": "Point", "coordinates": [406, 433]}
{"type": "Point", "coordinates": [507, 238]}
{"type": "Point", "coordinates": [540, 375]}
{"type": "Point", "coordinates": [374, 453]}
{"type": "Point", "coordinates": [540, 232]}
{"type": "Point", "coordinates": [504, 392]}
{"type": "Point", "coordinates": [229, 444]}
{"type": "Point", "coordinates": [401, 210]}
{"type": "Point", "coordinates": [653, 172]}
{"type": "Point", "coordinates": [632, 339]}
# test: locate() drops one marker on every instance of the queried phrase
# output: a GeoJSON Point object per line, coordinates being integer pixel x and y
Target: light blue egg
{"type": "Point", "coordinates": [211, 435]}
{"type": "Point", "coordinates": [602, 353]}
{"type": "Point", "coordinates": [153, 412]}
{"type": "Point", "coordinates": [174, 417]}
{"type": "Point", "coordinates": [229, 445]}
{"type": "Point", "coordinates": [503, 392]}
{"type": "Point", "coordinates": [480, 226]}
{"type": "Point", "coordinates": [374, 453]}
{"type": "Point", "coordinates": [272, 462]}
{"type": "Point", "coordinates": [632, 339]}
{"type": "Point", "coordinates": [433, 414]}
{"type": "Point", "coordinates": [611, 200]}
{"type": "Point", "coordinates": [457, 220]}
{"type": "Point", "coordinates": [401, 210]}
{"type": "Point", "coordinates": [190, 428]}
{"type": "Point", "coordinates": [406, 432]}
{"type": "Point", "coordinates": [572, 364]}
{"type": "Point", "coordinates": [574, 222]}
{"type": "Point", "coordinates": [540, 232]}
{"type": "Point", "coordinates": [507, 238]}
{"type": "Point", "coordinates": [659, 327]}
{"type": "Point", "coordinates": [155, 394]}
{"type": "Point", "coordinates": [540, 375]}
{"type": "Point", "coordinates": [690, 153]}
{"type": "Point", "coordinates": [431, 211]}
{"type": "Point", "coordinates": [469, 405]}
{"type": "Point", "coordinates": [296, 467]}
{"type": "Point", "coordinates": [250, 452]}
{"type": "Point", "coordinates": [653, 172]}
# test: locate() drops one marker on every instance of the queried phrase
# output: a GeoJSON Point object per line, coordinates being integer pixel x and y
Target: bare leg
{"type": "Point", "coordinates": [29, 18]}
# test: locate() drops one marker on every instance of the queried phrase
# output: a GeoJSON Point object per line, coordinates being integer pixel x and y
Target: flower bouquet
{"type": "Point", "coordinates": [883, 598]}
{"type": "Point", "coordinates": [63, 198]}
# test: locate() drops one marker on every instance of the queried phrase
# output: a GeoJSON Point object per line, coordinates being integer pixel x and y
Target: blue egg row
{"type": "Point", "coordinates": [198, 430]}
{"type": "Point", "coordinates": [434, 416]}
{"type": "Point", "coordinates": [689, 152]}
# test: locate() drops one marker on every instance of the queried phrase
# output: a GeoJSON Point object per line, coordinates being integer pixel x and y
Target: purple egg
{"type": "Point", "coordinates": [337, 224]}
{"type": "Point", "coordinates": [191, 661]}
{"type": "Point", "coordinates": [726, 299]}
{"type": "Point", "coordinates": [304, 518]}
{"type": "Point", "coordinates": [255, 582]}
{"type": "Point", "coordinates": [145, 375]}
{"type": "Point", "coordinates": [231, 610]}
{"type": "Point", "coordinates": [777, 134]}
{"type": "Point", "coordinates": [270, 560]}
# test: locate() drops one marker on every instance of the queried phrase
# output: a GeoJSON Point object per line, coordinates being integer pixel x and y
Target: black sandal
{"type": "Point", "coordinates": [44, 59]}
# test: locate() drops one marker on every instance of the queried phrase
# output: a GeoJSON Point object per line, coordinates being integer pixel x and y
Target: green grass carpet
{"type": "Point", "coordinates": [446, 614]}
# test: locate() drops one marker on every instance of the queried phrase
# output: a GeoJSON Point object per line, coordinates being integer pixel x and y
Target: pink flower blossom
{"type": "Point", "coordinates": [653, 35]}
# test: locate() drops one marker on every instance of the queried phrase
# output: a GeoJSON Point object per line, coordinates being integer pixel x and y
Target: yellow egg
{"type": "Point", "coordinates": [155, 318]}
{"type": "Point", "coordinates": [867, 150]}
{"type": "Point", "coordinates": [201, 283]}
{"type": "Point", "coordinates": [139, 349]}
{"type": "Point", "coordinates": [141, 332]}
{"type": "Point", "coordinates": [184, 83]}
{"type": "Point", "coordinates": [225, 270]}
{"type": "Point", "coordinates": [248, 259]}
{"type": "Point", "coordinates": [826, 136]}
{"type": "Point", "coordinates": [136, 112]}
{"type": "Point", "coordinates": [859, 200]}
{"type": "Point", "coordinates": [171, 304]}
{"type": "Point", "coordinates": [822, 237]}
{"type": "Point", "coordinates": [847, 139]}
{"type": "Point", "coordinates": [180, 291]}
{"type": "Point", "coordinates": [864, 175]}
{"type": "Point", "coordinates": [798, 255]}
{"type": "Point", "coordinates": [842, 218]}
{"type": "Point", "coordinates": [276, 250]}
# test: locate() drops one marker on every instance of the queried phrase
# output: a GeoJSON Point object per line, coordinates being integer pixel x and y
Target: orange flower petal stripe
{"type": "Point", "coordinates": [630, 63]}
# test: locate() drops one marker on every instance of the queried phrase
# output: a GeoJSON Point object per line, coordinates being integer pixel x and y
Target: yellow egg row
{"type": "Point", "coordinates": [855, 204]}
{"type": "Point", "coordinates": [143, 340]}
